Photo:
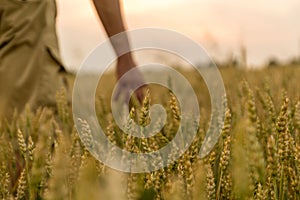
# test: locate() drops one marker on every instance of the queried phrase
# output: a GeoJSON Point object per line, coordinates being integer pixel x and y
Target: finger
{"type": "Point", "coordinates": [141, 93]}
{"type": "Point", "coordinates": [134, 99]}
{"type": "Point", "coordinates": [117, 92]}
{"type": "Point", "coordinates": [131, 104]}
{"type": "Point", "coordinates": [140, 96]}
{"type": "Point", "coordinates": [127, 96]}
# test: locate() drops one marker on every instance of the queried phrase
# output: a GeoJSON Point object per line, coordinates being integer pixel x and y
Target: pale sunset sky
{"type": "Point", "coordinates": [269, 28]}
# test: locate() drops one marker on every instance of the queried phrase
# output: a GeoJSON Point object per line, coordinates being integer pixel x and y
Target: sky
{"type": "Point", "coordinates": [269, 28]}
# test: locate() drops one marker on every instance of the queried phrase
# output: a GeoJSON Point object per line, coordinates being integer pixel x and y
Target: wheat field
{"type": "Point", "coordinates": [256, 157]}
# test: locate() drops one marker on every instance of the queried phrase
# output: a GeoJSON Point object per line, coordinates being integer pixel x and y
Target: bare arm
{"type": "Point", "coordinates": [109, 12]}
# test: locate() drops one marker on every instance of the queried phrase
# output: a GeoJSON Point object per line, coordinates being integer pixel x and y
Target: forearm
{"type": "Point", "coordinates": [110, 14]}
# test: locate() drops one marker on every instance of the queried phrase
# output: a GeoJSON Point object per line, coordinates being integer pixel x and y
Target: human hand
{"type": "Point", "coordinates": [130, 79]}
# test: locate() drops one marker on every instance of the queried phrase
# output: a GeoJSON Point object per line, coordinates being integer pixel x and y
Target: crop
{"type": "Point", "coordinates": [256, 157]}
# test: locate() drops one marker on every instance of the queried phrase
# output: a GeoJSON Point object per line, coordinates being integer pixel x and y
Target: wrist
{"type": "Point", "coordinates": [124, 64]}
{"type": "Point", "coordinates": [126, 60]}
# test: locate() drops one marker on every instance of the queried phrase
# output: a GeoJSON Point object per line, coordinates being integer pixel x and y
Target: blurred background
{"type": "Point", "coordinates": [249, 33]}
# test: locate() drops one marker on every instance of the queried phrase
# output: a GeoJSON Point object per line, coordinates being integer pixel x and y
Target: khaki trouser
{"type": "Point", "coordinates": [30, 63]}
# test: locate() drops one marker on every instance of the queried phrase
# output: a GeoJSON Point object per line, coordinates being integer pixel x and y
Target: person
{"type": "Point", "coordinates": [30, 64]}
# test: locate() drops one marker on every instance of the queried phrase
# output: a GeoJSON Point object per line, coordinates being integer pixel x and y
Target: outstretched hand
{"type": "Point", "coordinates": [130, 81]}
{"type": "Point", "coordinates": [110, 14]}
